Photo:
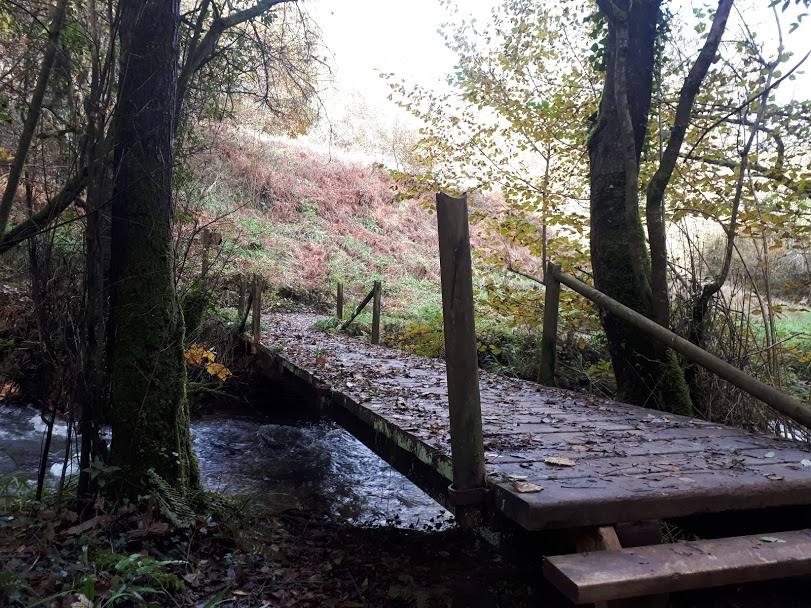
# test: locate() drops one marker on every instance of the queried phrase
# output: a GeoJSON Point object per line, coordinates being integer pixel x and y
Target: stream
{"type": "Point", "coordinates": [313, 465]}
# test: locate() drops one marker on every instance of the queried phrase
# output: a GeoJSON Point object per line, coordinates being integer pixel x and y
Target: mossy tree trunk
{"type": "Point", "coordinates": [149, 409]}
{"type": "Point", "coordinates": [646, 372]}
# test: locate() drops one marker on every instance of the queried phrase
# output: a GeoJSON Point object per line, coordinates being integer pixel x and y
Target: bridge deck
{"type": "Point", "coordinates": [620, 462]}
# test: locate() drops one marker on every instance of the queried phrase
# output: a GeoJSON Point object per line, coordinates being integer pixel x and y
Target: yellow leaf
{"type": "Point", "coordinates": [218, 370]}
{"type": "Point", "coordinates": [194, 355]}
{"type": "Point", "coordinates": [559, 461]}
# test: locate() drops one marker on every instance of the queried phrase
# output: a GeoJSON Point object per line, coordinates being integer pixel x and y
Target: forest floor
{"type": "Point", "coordinates": [134, 557]}
{"type": "Point", "coordinates": [130, 556]}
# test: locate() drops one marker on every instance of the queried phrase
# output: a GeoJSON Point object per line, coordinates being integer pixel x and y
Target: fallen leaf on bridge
{"type": "Point", "coordinates": [559, 461]}
{"type": "Point", "coordinates": [526, 487]}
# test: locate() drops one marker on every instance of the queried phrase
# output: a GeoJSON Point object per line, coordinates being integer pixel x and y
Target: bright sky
{"type": "Point", "coordinates": [369, 37]}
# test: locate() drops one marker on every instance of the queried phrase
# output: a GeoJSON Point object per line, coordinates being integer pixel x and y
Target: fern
{"type": "Point", "coordinates": [172, 504]}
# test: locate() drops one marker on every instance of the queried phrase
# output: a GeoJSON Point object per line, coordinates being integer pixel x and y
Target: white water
{"type": "Point", "coordinates": [313, 465]}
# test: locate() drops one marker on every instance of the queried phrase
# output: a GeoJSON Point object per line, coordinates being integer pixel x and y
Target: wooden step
{"type": "Point", "coordinates": [656, 569]}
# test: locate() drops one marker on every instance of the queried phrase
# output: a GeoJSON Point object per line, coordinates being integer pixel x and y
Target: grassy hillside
{"type": "Point", "coordinates": [305, 221]}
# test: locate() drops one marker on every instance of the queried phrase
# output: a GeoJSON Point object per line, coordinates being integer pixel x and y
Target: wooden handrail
{"type": "Point", "coordinates": [785, 404]}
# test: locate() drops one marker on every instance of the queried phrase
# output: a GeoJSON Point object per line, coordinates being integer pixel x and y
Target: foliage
{"type": "Point", "coordinates": [198, 357]}
{"type": "Point", "coordinates": [230, 55]}
{"type": "Point", "coordinates": [514, 114]}
{"type": "Point", "coordinates": [513, 121]}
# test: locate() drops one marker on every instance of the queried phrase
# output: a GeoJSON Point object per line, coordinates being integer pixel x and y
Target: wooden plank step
{"type": "Point", "coordinates": [655, 569]}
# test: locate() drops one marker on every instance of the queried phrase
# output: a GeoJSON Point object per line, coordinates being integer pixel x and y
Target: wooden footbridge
{"type": "Point", "coordinates": [599, 474]}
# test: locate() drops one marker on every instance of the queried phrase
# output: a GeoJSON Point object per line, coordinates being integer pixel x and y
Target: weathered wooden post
{"type": "Point", "coordinates": [205, 241]}
{"type": "Point", "coordinates": [242, 285]}
{"type": "Point", "coordinates": [377, 289]}
{"type": "Point", "coordinates": [549, 339]}
{"type": "Point", "coordinates": [256, 325]}
{"type": "Point", "coordinates": [339, 301]}
{"type": "Point", "coordinates": [461, 356]}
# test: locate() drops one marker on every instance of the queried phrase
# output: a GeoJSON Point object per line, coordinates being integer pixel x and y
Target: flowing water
{"type": "Point", "coordinates": [300, 464]}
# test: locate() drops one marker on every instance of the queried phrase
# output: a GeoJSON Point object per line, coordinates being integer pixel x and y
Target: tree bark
{"type": "Point", "coordinates": [95, 386]}
{"type": "Point", "coordinates": [646, 373]}
{"type": "Point", "coordinates": [150, 418]}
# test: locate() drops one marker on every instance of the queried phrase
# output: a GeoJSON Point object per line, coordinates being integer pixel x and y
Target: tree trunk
{"type": "Point", "coordinates": [150, 418]}
{"type": "Point", "coordinates": [95, 387]}
{"type": "Point", "coordinates": [646, 372]}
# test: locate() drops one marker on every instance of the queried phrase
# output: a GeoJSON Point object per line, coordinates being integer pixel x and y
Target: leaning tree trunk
{"type": "Point", "coordinates": [646, 372]}
{"type": "Point", "coordinates": [149, 409]}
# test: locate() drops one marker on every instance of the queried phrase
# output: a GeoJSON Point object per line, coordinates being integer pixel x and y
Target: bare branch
{"type": "Point", "coordinates": [34, 111]}
{"type": "Point", "coordinates": [203, 49]}
{"type": "Point", "coordinates": [654, 207]}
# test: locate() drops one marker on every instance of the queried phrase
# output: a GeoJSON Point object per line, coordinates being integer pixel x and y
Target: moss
{"type": "Point", "coordinates": [150, 413]}
{"type": "Point", "coordinates": [105, 561]}
{"type": "Point", "coordinates": [195, 304]}
{"type": "Point", "coordinates": [10, 583]}
{"type": "Point", "coordinates": [676, 392]}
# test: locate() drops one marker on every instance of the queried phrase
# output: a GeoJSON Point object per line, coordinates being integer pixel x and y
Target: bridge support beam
{"type": "Point", "coordinates": [461, 357]}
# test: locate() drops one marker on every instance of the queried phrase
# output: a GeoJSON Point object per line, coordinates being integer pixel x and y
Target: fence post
{"type": "Point", "coordinates": [549, 339]}
{"type": "Point", "coordinates": [461, 356]}
{"type": "Point", "coordinates": [376, 312]}
{"type": "Point", "coordinates": [205, 240]}
{"type": "Point", "coordinates": [256, 324]}
{"type": "Point", "coordinates": [243, 294]}
{"type": "Point", "coordinates": [339, 301]}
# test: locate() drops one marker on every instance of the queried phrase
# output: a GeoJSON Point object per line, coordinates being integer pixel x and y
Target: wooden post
{"type": "Point", "coordinates": [461, 357]}
{"type": "Point", "coordinates": [243, 295]}
{"type": "Point", "coordinates": [257, 311]}
{"type": "Point", "coordinates": [339, 301]}
{"type": "Point", "coordinates": [205, 240]}
{"type": "Point", "coordinates": [377, 289]}
{"type": "Point", "coordinates": [549, 339]}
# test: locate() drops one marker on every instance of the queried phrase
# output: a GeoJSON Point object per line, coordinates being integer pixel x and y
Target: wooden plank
{"type": "Point", "coordinates": [590, 501]}
{"type": "Point", "coordinates": [461, 354]}
{"type": "Point", "coordinates": [609, 575]}
{"type": "Point", "coordinates": [630, 463]}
